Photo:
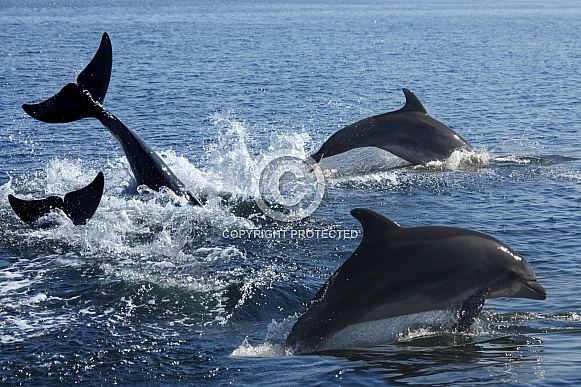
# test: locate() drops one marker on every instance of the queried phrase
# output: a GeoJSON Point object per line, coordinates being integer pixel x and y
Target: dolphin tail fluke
{"type": "Point", "coordinates": [78, 205]}
{"type": "Point", "coordinates": [68, 105]}
{"type": "Point", "coordinates": [76, 101]}
{"type": "Point", "coordinates": [95, 77]}
{"type": "Point", "coordinates": [32, 210]}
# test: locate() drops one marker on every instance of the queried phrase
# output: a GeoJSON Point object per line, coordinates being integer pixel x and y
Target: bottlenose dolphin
{"type": "Point", "coordinates": [397, 271]}
{"type": "Point", "coordinates": [409, 133]}
{"type": "Point", "coordinates": [83, 100]}
{"type": "Point", "coordinates": [79, 206]}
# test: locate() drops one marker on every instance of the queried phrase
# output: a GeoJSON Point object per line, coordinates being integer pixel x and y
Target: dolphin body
{"type": "Point", "coordinates": [79, 206]}
{"type": "Point", "coordinates": [409, 133]}
{"type": "Point", "coordinates": [397, 271]}
{"type": "Point", "coordinates": [83, 100]}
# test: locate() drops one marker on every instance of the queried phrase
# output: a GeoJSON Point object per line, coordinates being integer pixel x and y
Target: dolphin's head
{"type": "Point", "coordinates": [517, 279]}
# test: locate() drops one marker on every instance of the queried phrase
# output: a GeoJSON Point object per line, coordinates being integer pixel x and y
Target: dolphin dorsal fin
{"type": "Point", "coordinates": [412, 103]}
{"type": "Point", "coordinates": [373, 223]}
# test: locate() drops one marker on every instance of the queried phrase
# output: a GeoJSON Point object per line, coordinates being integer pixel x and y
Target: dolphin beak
{"type": "Point", "coordinates": [531, 289]}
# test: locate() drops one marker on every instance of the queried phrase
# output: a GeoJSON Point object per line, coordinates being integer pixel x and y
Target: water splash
{"type": "Point", "coordinates": [461, 160]}
{"type": "Point", "coordinates": [233, 160]}
{"type": "Point", "coordinates": [403, 328]}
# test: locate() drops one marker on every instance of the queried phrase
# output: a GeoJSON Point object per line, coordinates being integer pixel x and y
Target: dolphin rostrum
{"type": "Point", "coordinates": [84, 99]}
{"type": "Point", "coordinates": [79, 206]}
{"type": "Point", "coordinates": [409, 133]}
{"type": "Point", "coordinates": [397, 271]}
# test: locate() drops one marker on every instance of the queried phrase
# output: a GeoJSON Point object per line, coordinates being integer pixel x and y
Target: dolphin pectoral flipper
{"type": "Point", "coordinates": [79, 206]}
{"type": "Point", "coordinates": [469, 310]}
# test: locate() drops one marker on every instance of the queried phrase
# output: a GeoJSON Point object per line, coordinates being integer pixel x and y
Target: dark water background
{"type": "Point", "coordinates": [150, 293]}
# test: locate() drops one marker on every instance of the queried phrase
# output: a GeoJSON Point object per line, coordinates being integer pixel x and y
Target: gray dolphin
{"type": "Point", "coordinates": [397, 271]}
{"type": "Point", "coordinates": [83, 100]}
{"type": "Point", "coordinates": [409, 133]}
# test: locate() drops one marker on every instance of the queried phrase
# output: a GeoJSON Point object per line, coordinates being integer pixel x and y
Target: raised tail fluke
{"type": "Point", "coordinates": [95, 77]}
{"type": "Point", "coordinates": [68, 105]}
{"type": "Point", "coordinates": [30, 211]}
{"type": "Point", "coordinates": [79, 206]}
{"type": "Point", "coordinates": [76, 101]}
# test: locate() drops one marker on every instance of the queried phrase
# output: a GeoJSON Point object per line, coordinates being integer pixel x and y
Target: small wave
{"type": "Point", "coordinates": [122, 220]}
{"type": "Point", "coordinates": [531, 160]}
{"type": "Point", "coordinates": [261, 350]}
{"type": "Point", "coordinates": [569, 316]}
{"type": "Point", "coordinates": [460, 160]}
{"type": "Point", "coordinates": [273, 345]}
{"type": "Point", "coordinates": [24, 312]}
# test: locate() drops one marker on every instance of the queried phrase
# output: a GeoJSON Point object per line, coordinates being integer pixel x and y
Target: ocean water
{"type": "Point", "coordinates": [150, 293]}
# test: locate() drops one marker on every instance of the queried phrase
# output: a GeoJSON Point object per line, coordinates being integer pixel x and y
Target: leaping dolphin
{"type": "Point", "coordinates": [79, 206]}
{"type": "Point", "coordinates": [397, 271]}
{"type": "Point", "coordinates": [84, 99]}
{"type": "Point", "coordinates": [409, 133]}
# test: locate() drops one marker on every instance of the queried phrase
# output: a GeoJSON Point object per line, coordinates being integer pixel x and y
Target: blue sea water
{"type": "Point", "coordinates": [149, 293]}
